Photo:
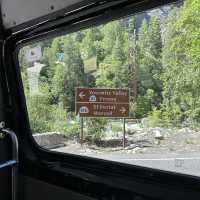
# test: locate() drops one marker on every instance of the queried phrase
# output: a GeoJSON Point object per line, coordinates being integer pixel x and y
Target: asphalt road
{"type": "Point", "coordinates": [180, 163]}
{"type": "Point", "coordinates": [185, 163]}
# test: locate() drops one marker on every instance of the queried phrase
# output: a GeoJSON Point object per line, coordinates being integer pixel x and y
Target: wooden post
{"type": "Point", "coordinates": [81, 136]}
{"type": "Point", "coordinates": [124, 133]}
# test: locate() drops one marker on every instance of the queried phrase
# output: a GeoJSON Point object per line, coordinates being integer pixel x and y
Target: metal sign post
{"type": "Point", "coordinates": [124, 132]}
{"type": "Point", "coordinates": [81, 136]}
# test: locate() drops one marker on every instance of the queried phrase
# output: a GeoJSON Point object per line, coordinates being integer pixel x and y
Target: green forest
{"type": "Point", "coordinates": [156, 56]}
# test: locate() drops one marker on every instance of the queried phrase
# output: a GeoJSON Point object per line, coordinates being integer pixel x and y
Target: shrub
{"type": "Point", "coordinates": [96, 128]}
{"type": "Point", "coordinates": [164, 118]}
{"type": "Point", "coordinates": [40, 113]}
{"type": "Point", "coordinates": [60, 122]}
{"type": "Point", "coordinates": [144, 104]}
{"type": "Point", "coordinates": [71, 130]}
{"type": "Point", "coordinates": [116, 128]}
{"type": "Point", "coordinates": [154, 119]}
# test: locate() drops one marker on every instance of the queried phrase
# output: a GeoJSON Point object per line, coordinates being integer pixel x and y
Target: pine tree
{"type": "Point", "coordinates": [113, 71]}
{"type": "Point", "coordinates": [181, 58]}
{"type": "Point", "coordinates": [69, 75]}
{"type": "Point", "coordinates": [150, 52]}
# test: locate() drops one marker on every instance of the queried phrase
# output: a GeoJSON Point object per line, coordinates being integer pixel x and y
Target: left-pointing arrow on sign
{"type": "Point", "coordinates": [81, 94]}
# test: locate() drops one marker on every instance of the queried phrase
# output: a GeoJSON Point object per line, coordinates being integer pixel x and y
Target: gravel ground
{"type": "Point", "coordinates": [141, 141]}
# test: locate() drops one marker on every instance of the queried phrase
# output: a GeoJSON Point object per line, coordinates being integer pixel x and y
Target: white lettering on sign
{"type": "Point", "coordinates": [103, 99]}
{"type": "Point", "coordinates": [119, 93]}
{"type": "Point", "coordinates": [92, 92]}
{"type": "Point", "coordinates": [108, 93]}
{"type": "Point", "coordinates": [100, 113]}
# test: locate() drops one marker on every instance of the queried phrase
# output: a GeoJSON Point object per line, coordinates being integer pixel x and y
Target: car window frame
{"type": "Point", "coordinates": [54, 158]}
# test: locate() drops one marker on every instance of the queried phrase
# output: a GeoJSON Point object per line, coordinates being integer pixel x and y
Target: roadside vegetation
{"type": "Point", "coordinates": [156, 56]}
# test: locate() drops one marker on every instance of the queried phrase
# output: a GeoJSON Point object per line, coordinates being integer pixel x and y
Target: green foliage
{"type": "Point", "coordinates": [90, 42]}
{"type": "Point", "coordinates": [96, 128]}
{"type": "Point", "coordinates": [144, 104]}
{"type": "Point", "coordinates": [40, 113]}
{"type": "Point", "coordinates": [164, 118]}
{"type": "Point", "coordinates": [181, 58]}
{"type": "Point", "coordinates": [65, 123]}
{"type": "Point", "coordinates": [154, 119]}
{"type": "Point", "coordinates": [150, 66]}
{"type": "Point", "coordinates": [71, 130]}
{"type": "Point", "coordinates": [116, 128]}
{"type": "Point", "coordinates": [161, 68]}
{"type": "Point", "coordinates": [59, 119]}
{"type": "Point", "coordinates": [50, 57]}
{"type": "Point", "coordinates": [69, 74]}
{"type": "Point", "coordinates": [111, 75]}
{"type": "Point", "coordinates": [113, 71]}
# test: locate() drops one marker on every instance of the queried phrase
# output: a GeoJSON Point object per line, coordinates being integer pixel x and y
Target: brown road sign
{"type": "Point", "coordinates": [92, 102]}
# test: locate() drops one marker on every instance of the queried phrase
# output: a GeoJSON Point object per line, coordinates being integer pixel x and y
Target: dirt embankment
{"type": "Point", "coordinates": [138, 140]}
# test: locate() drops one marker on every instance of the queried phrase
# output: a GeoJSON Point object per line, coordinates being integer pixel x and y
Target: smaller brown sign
{"type": "Point", "coordinates": [92, 102]}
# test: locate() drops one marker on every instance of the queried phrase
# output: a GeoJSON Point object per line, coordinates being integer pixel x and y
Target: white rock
{"type": "Point", "coordinates": [158, 134]}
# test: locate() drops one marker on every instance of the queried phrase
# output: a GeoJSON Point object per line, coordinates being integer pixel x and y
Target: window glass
{"type": "Point", "coordinates": [127, 90]}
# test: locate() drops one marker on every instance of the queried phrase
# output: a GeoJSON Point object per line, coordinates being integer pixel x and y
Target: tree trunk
{"type": "Point", "coordinates": [133, 67]}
